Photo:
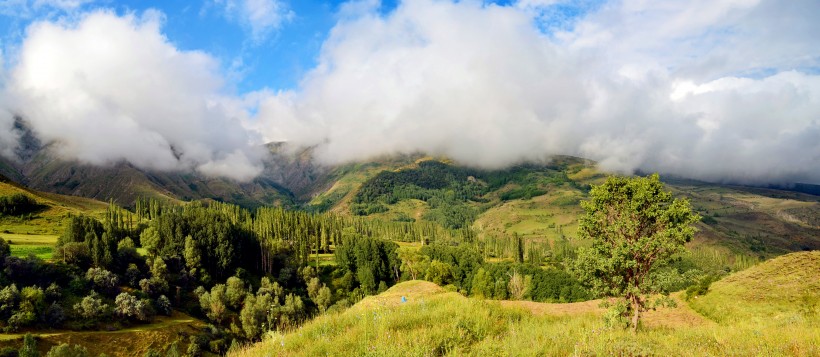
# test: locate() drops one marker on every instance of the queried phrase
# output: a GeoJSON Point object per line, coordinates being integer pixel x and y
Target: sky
{"type": "Point", "coordinates": [722, 91]}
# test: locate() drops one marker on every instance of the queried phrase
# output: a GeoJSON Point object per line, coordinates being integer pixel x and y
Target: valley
{"type": "Point", "coordinates": [522, 219]}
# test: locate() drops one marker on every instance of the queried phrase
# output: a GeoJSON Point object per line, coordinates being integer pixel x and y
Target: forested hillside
{"type": "Point", "coordinates": [507, 234]}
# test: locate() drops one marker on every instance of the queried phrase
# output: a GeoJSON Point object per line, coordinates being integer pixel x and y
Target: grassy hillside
{"type": "Point", "coordinates": [37, 232]}
{"type": "Point", "coordinates": [437, 322]}
{"type": "Point", "coordinates": [540, 203]}
{"type": "Point", "coordinates": [337, 189]}
{"type": "Point", "coordinates": [781, 292]}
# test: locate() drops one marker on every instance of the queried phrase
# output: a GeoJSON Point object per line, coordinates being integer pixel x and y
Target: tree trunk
{"type": "Point", "coordinates": [636, 307]}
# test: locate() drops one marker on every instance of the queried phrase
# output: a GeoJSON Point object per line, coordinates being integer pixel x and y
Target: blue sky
{"type": "Point", "coordinates": [718, 90]}
{"type": "Point", "coordinates": [277, 61]}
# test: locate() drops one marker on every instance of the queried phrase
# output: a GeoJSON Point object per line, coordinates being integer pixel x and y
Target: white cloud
{"type": "Point", "coordinates": [112, 88]}
{"type": "Point", "coordinates": [259, 17]}
{"type": "Point", "coordinates": [30, 8]}
{"type": "Point", "coordinates": [704, 89]}
{"type": "Point", "coordinates": [723, 91]}
{"type": "Point", "coordinates": [62, 4]}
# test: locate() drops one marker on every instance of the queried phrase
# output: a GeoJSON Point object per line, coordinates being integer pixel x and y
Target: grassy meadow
{"type": "Point", "coordinates": [753, 320]}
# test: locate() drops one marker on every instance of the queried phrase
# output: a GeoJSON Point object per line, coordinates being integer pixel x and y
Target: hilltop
{"type": "Point", "coordinates": [434, 321]}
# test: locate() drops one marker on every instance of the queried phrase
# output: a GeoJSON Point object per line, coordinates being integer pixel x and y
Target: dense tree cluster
{"type": "Point", "coordinates": [464, 268]}
{"type": "Point", "coordinates": [17, 204]}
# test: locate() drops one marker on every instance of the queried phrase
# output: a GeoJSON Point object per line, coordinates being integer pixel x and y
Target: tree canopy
{"type": "Point", "coordinates": [635, 227]}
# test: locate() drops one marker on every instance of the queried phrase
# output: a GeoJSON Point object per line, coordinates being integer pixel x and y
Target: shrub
{"type": "Point", "coordinates": [102, 279]}
{"type": "Point", "coordinates": [700, 288]}
{"type": "Point", "coordinates": [64, 350]}
{"type": "Point", "coordinates": [91, 307]}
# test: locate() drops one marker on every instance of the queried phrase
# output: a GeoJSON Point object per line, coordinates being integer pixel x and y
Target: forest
{"type": "Point", "coordinates": [245, 272]}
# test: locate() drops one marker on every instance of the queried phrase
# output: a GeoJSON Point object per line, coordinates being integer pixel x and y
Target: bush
{"type": "Point", "coordinates": [102, 279]}
{"type": "Point", "coordinates": [700, 288]}
{"type": "Point", "coordinates": [64, 350]}
{"type": "Point", "coordinates": [29, 348]}
{"type": "Point", "coordinates": [164, 305]}
{"type": "Point", "coordinates": [91, 307]}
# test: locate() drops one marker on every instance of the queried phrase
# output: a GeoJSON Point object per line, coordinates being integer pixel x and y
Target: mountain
{"type": "Point", "coordinates": [540, 203]}
{"type": "Point", "coordinates": [537, 201]}
{"type": "Point", "coordinates": [123, 182]}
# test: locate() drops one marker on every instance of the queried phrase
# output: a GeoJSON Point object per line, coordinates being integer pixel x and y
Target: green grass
{"type": "Point", "coordinates": [436, 322]}
{"type": "Point", "coordinates": [776, 293]}
{"type": "Point", "coordinates": [22, 245]}
{"type": "Point", "coordinates": [45, 252]}
{"type": "Point", "coordinates": [29, 239]}
{"type": "Point", "coordinates": [540, 219]}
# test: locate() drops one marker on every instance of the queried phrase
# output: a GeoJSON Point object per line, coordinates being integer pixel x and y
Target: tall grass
{"type": "Point", "coordinates": [436, 322]}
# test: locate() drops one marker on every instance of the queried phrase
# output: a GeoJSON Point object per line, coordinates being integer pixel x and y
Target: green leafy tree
{"type": "Point", "coordinates": [214, 303]}
{"type": "Point", "coordinates": [635, 227]}
{"type": "Point", "coordinates": [193, 257]}
{"type": "Point", "coordinates": [483, 284]}
{"type": "Point", "coordinates": [234, 292]}
{"type": "Point", "coordinates": [29, 348]}
{"type": "Point", "coordinates": [5, 250]}
{"type": "Point", "coordinates": [413, 262]}
{"type": "Point", "coordinates": [323, 298]}
{"type": "Point", "coordinates": [102, 279]}
{"type": "Point", "coordinates": [150, 240]}
{"type": "Point", "coordinates": [273, 289]}
{"type": "Point", "coordinates": [439, 273]}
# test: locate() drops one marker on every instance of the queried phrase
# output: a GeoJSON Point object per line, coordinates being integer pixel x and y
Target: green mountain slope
{"type": "Point", "coordinates": [540, 203]}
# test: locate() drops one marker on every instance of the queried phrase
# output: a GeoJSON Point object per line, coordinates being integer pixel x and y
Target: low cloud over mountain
{"type": "Point", "coordinates": [721, 91]}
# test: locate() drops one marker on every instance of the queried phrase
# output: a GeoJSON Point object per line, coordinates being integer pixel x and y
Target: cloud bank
{"type": "Point", "coordinates": [112, 88]}
{"type": "Point", "coordinates": [721, 91]}
{"type": "Point", "coordinates": [714, 90]}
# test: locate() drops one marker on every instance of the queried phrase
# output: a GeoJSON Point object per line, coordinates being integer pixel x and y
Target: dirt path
{"type": "Point", "coordinates": [680, 316]}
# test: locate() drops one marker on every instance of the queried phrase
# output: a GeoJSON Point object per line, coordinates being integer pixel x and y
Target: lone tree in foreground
{"type": "Point", "coordinates": [635, 227]}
